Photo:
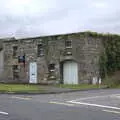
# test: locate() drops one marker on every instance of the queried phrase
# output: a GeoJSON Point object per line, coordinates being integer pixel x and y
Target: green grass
{"type": "Point", "coordinates": [115, 86]}
{"type": "Point", "coordinates": [28, 88]}
{"type": "Point", "coordinates": [77, 87]}
{"type": "Point", "coordinates": [17, 88]}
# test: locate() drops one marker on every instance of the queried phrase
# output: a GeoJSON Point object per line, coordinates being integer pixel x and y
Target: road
{"type": "Point", "coordinates": [84, 105]}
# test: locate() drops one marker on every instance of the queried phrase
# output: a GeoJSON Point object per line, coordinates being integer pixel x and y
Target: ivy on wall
{"type": "Point", "coordinates": [110, 57]}
{"type": "Point", "coordinates": [112, 49]}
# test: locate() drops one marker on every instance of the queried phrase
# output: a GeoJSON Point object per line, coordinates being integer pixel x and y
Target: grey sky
{"type": "Point", "coordinates": [29, 18]}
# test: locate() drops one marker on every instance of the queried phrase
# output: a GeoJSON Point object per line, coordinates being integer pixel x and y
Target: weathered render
{"type": "Point", "coordinates": [50, 53]}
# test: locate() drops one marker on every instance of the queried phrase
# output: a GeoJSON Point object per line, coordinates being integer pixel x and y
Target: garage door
{"type": "Point", "coordinates": [70, 72]}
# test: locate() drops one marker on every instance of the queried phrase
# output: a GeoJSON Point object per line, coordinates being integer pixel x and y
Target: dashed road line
{"type": "Point", "coordinates": [87, 98]}
{"type": "Point", "coordinates": [116, 96]}
{"type": "Point", "coordinates": [94, 105]}
{"type": "Point", "coordinates": [22, 98]}
{"type": "Point", "coordinates": [110, 111]}
{"type": "Point", "coordinates": [61, 103]}
{"type": "Point", "coordinates": [4, 113]}
{"type": "Point", "coordinates": [94, 97]}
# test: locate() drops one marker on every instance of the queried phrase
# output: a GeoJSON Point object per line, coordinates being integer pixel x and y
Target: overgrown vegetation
{"type": "Point", "coordinates": [113, 80]}
{"type": "Point", "coordinates": [112, 49]}
{"type": "Point", "coordinates": [110, 58]}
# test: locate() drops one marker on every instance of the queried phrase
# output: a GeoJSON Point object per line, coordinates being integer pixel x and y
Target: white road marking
{"type": "Point", "coordinates": [22, 98]}
{"type": "Point", "coordinates": [116, 96]}
{"type": "Point", "coordinates": [94, 105]}
{"type": "Point", "coordinates": [85, 98]}
{"type": "Point", "coordinates": [110, 111]}
{"type": "Point", "coordinates": [60, 103]}
{"type": "Point", "coordinates": [4, 113]}
{"type": "Point", "coordinates": [88, 98]}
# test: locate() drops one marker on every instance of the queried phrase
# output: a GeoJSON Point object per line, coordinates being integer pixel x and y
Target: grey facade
{"type": "Point", "coordinates": [50, 53]}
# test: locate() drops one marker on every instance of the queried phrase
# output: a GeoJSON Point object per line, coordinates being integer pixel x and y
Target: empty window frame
{"type": "Point", "coordinates": [68, 43]}
{"type": "Point", "coordinates": [40, 50]}
{"type": "Point", "coordinates": [15, 48]}
{"type": "Point", "coordinates": [51, 67]}
{"type": "Point", "coordinates": [15, 67]}
{"type": "Point", "coordinates": [15, 72]}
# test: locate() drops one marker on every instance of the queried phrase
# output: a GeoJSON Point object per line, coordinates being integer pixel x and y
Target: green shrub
{"type": "Point", "coordinates": [112, 80]}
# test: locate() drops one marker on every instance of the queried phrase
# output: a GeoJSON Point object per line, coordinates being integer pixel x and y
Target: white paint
{"type": "Point", "coordinates": [4, 113]}
{"type": "Point", "coordinates": [22, 98]}
{"type": "Point", "coordinates": [111, 111]}
{"type": "Point", "coordinates": [116, 96]}
{"type": "Point", "coordinates": [61, 103]}
{"type": "Point", "coordinates": [95, 105]}
{"type": "Point", "coordinates": [70, 72]}
{"type": "Point", "coordinates": [94, 97]}
{"type": "Point", "coordinates": [86, 98]}
{"type": "Point", "coordinates": [99, 81]}
{"type": "Point", "coordinates": [94, 81]}
{"type": "Point", "coordinates": [33, 72]}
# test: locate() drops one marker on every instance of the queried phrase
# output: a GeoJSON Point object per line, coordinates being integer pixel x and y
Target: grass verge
{"type": "Point", "coordinates": [79, 87]}
{"type": "Point", "coordinates": [115, 86]}
{"type": "Point", "coordinates": [28, 88]}
{"type": "Point", "coordinates": [20, 88]}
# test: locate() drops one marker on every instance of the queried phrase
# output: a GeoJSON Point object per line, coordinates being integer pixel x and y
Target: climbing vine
{"type": "Point", "coordinates": [110, 59]}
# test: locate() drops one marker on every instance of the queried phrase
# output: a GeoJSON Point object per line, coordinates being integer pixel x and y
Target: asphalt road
{"type": "Point", "coordinates": [84, 105]}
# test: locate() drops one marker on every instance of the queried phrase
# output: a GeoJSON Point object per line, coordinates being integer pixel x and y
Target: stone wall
{"type": "Point", "coordinates": [1, 65]}
{"type": "Point", "coordinates": [85, 51]}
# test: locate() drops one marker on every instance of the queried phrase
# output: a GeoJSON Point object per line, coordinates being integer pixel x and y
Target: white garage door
{"type": "Point", "coordinates": [70, 72]}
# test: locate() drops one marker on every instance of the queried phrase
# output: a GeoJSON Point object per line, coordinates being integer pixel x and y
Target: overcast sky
{"type": "Point", "coordinates": [29, 18]}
